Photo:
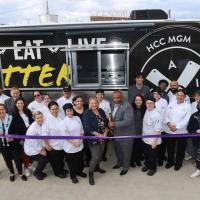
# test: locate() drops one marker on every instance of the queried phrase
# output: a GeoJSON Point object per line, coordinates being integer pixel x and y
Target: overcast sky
{"type": "Point", "coordinates": [28, 11]}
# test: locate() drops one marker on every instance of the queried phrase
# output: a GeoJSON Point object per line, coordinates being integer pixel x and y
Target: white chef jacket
{"type": "Point", "coordinates": [194, 107]}
{"type": "Point", "coordinates": [35, 106]}
{"type": "Point", "coordinates": [31, 146]}
{"type": "Point", "coordinates": [179, 115]}
{"type": "Point", "coordinates": [72, 127]}
{"type": "Point", "coordinates": [105, 106]}
{"type": "Point", "coordinates": [52, 127]}
{"type": "Point", "coordinates": [172, 97]}
{"type": "Point", "coordinates": [151, 125]}
{"type": "Point", "coordinates": [61, 102]}
{"type": "Point", "coordinates": [161, 106]}
{"type": "Point", "coordinates": [3, 97]}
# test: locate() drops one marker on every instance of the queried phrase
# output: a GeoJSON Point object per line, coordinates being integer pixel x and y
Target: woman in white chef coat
{"type": "Point", "coordinates": [161, 106]}
{"type": "Point", "coordinates": [151, 126]}
{"type": "Point", "coordinates": [34, 148]}
{"type": "Point", "coordinates": [176, 119]}
{"type": "Point", "coordinates": [72, 126]}
{"type": "Point", "coordinates": [54, 148]}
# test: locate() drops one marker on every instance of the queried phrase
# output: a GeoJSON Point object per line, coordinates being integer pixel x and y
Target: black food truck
{"type": "Point", "coordinates": [97, 55]}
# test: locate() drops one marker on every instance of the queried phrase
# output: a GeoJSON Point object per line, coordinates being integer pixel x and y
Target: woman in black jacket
{"type": "Point", "coordinates": [95, 123]}
{"type": "Point", "coordinates": [22, 119]}
{"type": "Point", "coordinates": [194, 127]}
{"type": "Point", "coordinates": [137, 149]}
{"type": "Point", "coordinates": [10, 149]}
{"type": "Point", "coordinates": [79, 108]}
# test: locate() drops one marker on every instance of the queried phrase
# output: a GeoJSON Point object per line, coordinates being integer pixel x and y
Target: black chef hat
{"type": "Point", "coordinates": [68, 106]}
{"type": "Point", "coordinates": [151, 99]}
{"type": "Point", "coordinates": [99, 91]}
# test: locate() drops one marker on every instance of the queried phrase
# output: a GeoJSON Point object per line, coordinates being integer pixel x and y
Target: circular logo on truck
{"type": "Point", "coordinates": [170, 53]}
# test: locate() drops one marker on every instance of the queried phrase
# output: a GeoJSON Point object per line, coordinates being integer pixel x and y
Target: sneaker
{"type": "Point", "coordinates": [188, 157]}
{"type": "Point", "coordinates": [12, 177]}
{"type": "Point", "coordinates": [195, 174]}
{"type": "Point", "coordinates": [27, 172]}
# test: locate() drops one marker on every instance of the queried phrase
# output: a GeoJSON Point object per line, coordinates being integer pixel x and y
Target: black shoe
{"type": "Point", "coordinates": [74, 180]}
{"type": "Point", "coordinates": [44, 174]}
{"type": "Point", "coordinates": [116, 166]}
{"type": "Point", "coordinates": [151, 172]}
{"type": "Point", "coordinates": [38, 176]}
{"type": "Point", "coordinates": [82, 174]}
{"type": "Point", "coordinates": [101, 171]}
{"type": "Point", "coordinates": [177, 167]}
{"type": "Point", "coordinates": [24, 178]}
{"type": "Point", "coordinates": [144, 169]}
{"type": "Point", "coordinates": [12, 178]}
{"type": "Point", "coordinates": [123, 172]}
{"type": "Point", "coordinates": [61, 175]}
{"type": "Point", "coordinates": [133, 165]}
{"type": "Point", "coordinates": [104, 159]}
{"type": "Point", "coordinates": [138, 163]}
{"type": "Point", "coordinates": [168, 166]}
{"type": "Point", "coordinates": [91, 178]}
{"type": "Point", "coordinates": [160, 163]}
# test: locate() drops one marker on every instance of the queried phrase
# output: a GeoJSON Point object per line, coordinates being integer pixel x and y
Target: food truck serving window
{"type": "Point", "coordinates": [103, 66]}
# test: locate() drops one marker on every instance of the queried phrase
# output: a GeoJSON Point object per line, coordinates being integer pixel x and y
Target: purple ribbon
{"type": "Point", "coordinates": [37, 137]}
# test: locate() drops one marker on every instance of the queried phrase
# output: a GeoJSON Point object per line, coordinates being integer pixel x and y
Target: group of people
{"type": "Point", "coordinates": [145, 113]}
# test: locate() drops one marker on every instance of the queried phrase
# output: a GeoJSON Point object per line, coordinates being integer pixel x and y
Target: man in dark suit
{"type": "Point", "coordinates": [10, 103]}
{"type": "Point", "coordinates": [123, 124]}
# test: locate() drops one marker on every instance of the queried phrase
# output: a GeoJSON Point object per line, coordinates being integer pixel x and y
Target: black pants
{"type": "Point", "coordinates": [75, 162]}
{"type": "Point", "coordinates": [196, 145]}
{"type": "Point", "coordinates": [176, 150]}
{"type": "Point", "coordinates": [150, 156]}
{"type": "Point", "coordinates": [10, 153]}
{"type": "Point", "coordinates": [137, 150]}
{"type": "Point", "coordinates": [162, 149]}
{"type": "Point", "coordinates": [56, 160]}
{"type": "Point", "coordinates": [87, 154]}
{"type": "Point", "coordinates": [42, 161]}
